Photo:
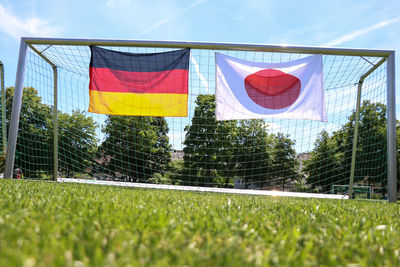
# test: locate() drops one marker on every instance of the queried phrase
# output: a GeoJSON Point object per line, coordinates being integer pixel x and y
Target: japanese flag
{"type": "Point", "coordinates": [252, 90]}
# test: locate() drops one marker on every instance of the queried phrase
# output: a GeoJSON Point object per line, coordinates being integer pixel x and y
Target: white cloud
{"type": "Point", "coordinates": [172, 16]}
{"type": "Point", "coordinates": [34, 26]}
{"type": "Point", "coordinates": [360, 32]}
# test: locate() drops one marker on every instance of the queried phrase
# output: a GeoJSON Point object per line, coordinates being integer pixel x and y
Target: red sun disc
{"type": "Point", "coordinates": [272, 89]}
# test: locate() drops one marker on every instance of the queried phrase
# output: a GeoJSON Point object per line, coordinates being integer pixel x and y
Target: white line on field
{"type": "Point", "coordinates": [204, 189]}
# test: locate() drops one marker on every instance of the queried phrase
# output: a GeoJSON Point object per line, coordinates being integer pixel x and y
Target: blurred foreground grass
{"type": "Point", "coordinates": [50, 224]}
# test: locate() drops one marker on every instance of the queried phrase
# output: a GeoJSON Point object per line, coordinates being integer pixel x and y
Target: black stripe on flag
{"type": "Point", "coordinates": [139, 62]}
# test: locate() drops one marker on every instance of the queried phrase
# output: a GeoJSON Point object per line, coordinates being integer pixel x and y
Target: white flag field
{"type": "Point", "coordinates": [253, 90]}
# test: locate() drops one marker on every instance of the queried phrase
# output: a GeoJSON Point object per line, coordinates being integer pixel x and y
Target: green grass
{"type": "Point", "coordinates": [48, 224]}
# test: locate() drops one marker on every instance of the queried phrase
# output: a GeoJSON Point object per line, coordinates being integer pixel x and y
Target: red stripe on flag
{"type": "Point", "coordinates": [163, 82]}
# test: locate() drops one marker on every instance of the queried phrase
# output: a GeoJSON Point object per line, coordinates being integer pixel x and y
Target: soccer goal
{"type": "Point", "coordinates": [52, 134]}
{"type": "Point", "coordinates": [360, 191]}
{"type": "Point", "coordinates": [3, 144]}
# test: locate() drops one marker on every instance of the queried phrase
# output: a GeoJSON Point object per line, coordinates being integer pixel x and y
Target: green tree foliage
{"type": "Point", "coordinates": [285, 163]}
{"type": "Point", "coordinates": [162, 148]}
{"type": "Point", "coordinates": [175, 171]}
{"type": "Point", "coordinates": [335, 151]}
{"type": "Point", "coordinates": [34, 151]}
{"type": "Point", "coordinates": [77, 143]}
{"type": "Point", "coordinates": [208, 146]}
{"type": "Point", "coordinates": [371, 160]}
{"type": "Point", "coordinates": [324, 166]}
{"type": "Point", "coordinates": [218, 151]}
{"type": "Point", "coordinates": [253, 152]}
{"type": "Point", "coordinates": [398, 154]}
{"type": "Point", "coordinates": [136, 147]}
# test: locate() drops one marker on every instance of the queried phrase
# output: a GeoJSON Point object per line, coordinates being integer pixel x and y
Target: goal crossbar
{"type": "Point", "coordinates": [213, 45]}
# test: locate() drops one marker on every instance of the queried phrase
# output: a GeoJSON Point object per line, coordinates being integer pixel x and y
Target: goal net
{"type": "Point", "coordinates": [3, 142]}
{"type": "Point", "coordinates": [359, 191]}
{"type": "Point", "coordinates": [57, 136]}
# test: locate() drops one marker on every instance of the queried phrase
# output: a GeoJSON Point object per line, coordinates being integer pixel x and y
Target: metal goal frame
{"type": "Point", "coordinates": [387, 56]}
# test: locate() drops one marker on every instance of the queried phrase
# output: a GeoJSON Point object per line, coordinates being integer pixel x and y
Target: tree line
{"type": "Point", "coordinates": [215, 152]}
{"type": "Point", "coordinates": [330, 161]}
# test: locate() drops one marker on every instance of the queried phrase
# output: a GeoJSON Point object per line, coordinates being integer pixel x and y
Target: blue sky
{"type": "Point", "coordinates": [338, 23]}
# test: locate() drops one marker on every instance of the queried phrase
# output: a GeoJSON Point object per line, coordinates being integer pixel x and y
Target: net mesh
{"type": "Point", "coordinates": [197, 150]}
{"type": "Point", "coordinates": [3, 140]}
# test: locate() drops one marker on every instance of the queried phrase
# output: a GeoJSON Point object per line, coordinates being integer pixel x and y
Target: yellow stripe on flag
{"type": "Point", "coordinates": [137, 104]}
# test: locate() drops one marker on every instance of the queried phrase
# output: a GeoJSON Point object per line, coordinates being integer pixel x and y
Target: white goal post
{"type": "Point", "coordinates": [358, 69]}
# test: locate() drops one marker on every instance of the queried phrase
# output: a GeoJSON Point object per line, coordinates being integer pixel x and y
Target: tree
{"type": "Point", "coordinates": [77, 142]}
{"type": "Point", "coordinates": [162, 148]}
{"type": "Point", "coordinates": [253, 152]}
{"type": "Point", "coordinates": [33, 149]}
{"type": "Point", "coordinates": [175, 172]}
{"type": "Point", "coordinates": [324, 165]}
{"type": "Point", "coordinates": [208, 146]}
{"type": "Point", "coordinates": [217, 151]}
{"type": "Point", "coordinates": [285, 163]}
{"type": "Point", "coordinates": [371, 159]}
{"type": "Point", "coordinates": [398, 154]}
{"type": "Point", "coordinates": [135, 146]}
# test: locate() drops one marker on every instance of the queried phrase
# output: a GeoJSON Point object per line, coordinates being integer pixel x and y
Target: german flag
{"type": "Point", "coordinates": [150, 84]}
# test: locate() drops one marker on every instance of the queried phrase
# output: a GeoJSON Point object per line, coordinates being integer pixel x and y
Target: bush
{"type": "Point", "coordinates": [159, 179]}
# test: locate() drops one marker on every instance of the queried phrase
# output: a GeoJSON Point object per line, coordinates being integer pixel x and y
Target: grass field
{"type": "Point", "coordinates": [49, 224]}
